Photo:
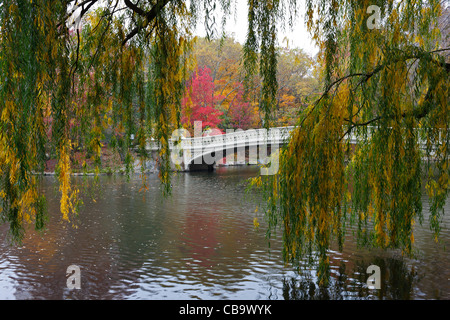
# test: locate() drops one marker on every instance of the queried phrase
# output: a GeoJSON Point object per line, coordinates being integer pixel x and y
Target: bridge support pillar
{"type": "Point", "coordinates": [201, 167]}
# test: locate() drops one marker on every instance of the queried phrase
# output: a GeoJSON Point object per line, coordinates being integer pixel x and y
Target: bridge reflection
{"type": "Point", "coordinates": [397, 283]}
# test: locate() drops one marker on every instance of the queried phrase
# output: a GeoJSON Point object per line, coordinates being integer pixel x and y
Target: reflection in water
{"type": "Point", "coordinates": [396, 283]}
{"type": "Point", "coordinates": [198, 244]}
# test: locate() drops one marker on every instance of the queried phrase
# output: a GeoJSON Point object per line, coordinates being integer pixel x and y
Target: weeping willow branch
{"type": "Point", "coordinates": [317, 188]}
{"type": "Point", "coordinates": [149, 16]}
{"type": "Point", "coordinates": [417, 113]}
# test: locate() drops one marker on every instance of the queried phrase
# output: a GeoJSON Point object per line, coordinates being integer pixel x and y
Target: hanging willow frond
{"type": "Point", "coordinates": [387, 87]}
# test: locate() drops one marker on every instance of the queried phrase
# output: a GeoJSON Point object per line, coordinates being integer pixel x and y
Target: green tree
{"type": "Point", "coordinates": [387, 87]}
{"type": "Point", "coordinates": [119, 66]}
{"type": "Point", "coordinates": [130, 60]}
{"type": "Point", "coordinates": [296, 84]}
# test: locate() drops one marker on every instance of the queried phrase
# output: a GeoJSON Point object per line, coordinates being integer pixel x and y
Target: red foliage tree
{"type": "Point", "coordinates": [239, 111]}
{"type": "Point", "coordinates": [199, 101]}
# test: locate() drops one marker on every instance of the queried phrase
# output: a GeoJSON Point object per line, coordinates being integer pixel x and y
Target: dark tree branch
{"type": "Point", "coordinates": [102, 37]}
{"type": "Point", "coordinates": [75, 65]}
{"type": "Point", "coordinates": [149, 16]}
{"type": "Point", "coordinates": [69, 14]}
{"type": "Point", "coordinates": [412, 53]}
{"type": "Point", "coordinates": [135, 8]}
{"type": "Point", "coordinates": [418, 113]}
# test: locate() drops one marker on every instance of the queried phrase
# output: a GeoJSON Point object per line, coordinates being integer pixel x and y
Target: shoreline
{"type": "Point", "coordinates": [109, 172]}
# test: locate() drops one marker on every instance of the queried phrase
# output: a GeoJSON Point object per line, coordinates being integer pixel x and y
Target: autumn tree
{"type": "Point", "coordinates": [223, 57]}
{"type": "Point", "coordinates": [385, 82]}
{"type": "Point", "coordinates": [294, 76]}
{"type": "Point", "coordinates": [385, 85]}
{"type": "Point", "coordinates": [118, 62]}
{"type": "Point", "coordinates": [240, 114]}
{"type": "Point", "coordinates": [297, 84]}
{"type": "Point", "coordinates": [199, 101]}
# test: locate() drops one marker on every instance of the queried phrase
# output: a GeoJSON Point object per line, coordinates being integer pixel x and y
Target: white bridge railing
{"type": "Point", "coordinates": [279, 134]}
{"type": "Point", "coordinates": [194, 150]}
{"type": "Point", "coordinates": [275, 135]}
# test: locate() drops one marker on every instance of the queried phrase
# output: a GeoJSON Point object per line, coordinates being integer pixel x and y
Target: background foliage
{"type": "Point", "coordinates": [74, 74]}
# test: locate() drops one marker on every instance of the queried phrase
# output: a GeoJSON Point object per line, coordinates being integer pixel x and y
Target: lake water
{"type": "Point", "coordinates": [199, 244]}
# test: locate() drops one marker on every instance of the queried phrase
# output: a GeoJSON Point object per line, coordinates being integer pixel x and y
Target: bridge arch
{"type": "Point", "coordinates": [202, 153]}
{"type": "Point", "coordinates": [256, 153]}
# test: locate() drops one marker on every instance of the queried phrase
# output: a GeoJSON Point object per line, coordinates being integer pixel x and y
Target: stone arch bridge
{"type": "Point", "coordinates": [202, 153]}
{"type": "Point", "coordinates": [260, 145]}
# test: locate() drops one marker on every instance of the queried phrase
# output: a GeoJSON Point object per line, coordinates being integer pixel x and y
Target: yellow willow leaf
{"type": "Point", "coordinates": [13, 170]}
{"type": "Point", "coordinates": [386, 240]}
{"type": "Point", "coordinates": [64, 180]}
{"type": "Point", "coordinates": [419, 39]}
{"type": "Point", "coordinates": [5, 115]}
{"type": "Point", "coordinates": [110, 105]}
{"type": "Point", "coordinates": [255, 223]}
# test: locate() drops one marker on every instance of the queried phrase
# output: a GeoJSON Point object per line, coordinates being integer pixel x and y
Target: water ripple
{"type": "Point", "coordinates": [198, 244]}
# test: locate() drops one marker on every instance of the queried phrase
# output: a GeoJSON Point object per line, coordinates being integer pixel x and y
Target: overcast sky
{"type": "Point", "coordinates": [298, 37]}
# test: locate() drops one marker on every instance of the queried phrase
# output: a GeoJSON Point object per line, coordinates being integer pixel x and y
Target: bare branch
{"type": "Point", "coordinates": [149, 16]}
{"type": "Point", "coordinates": [135, 8]}
{"type": "Point", "coordinates": [412, 53]}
